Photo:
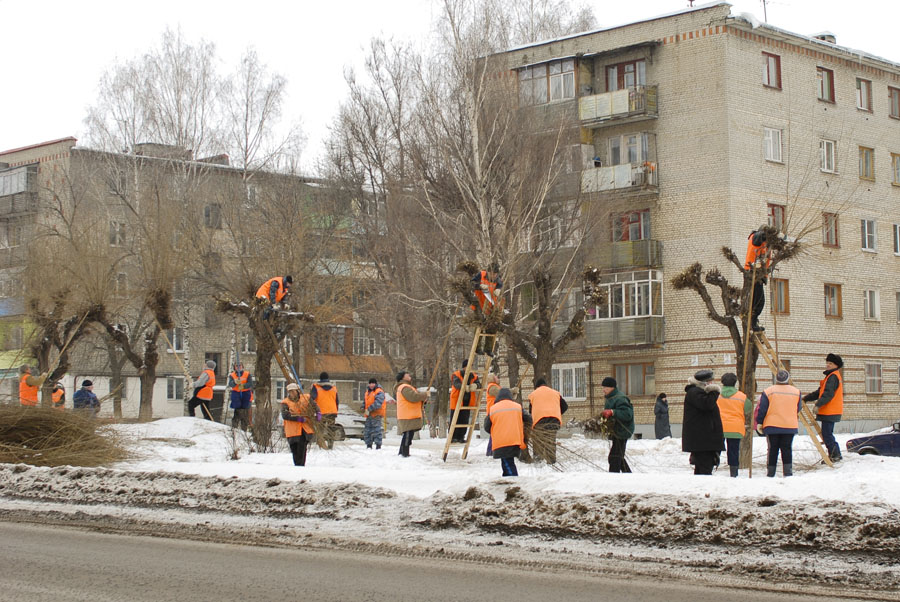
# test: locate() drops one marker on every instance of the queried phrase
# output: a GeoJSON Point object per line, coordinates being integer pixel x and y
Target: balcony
{"type": "Point", "coordinates": [621, 106]}
{"type": "Point", "coordinates": [628, 254]}
{"type": "Point", "coordinates": [628, 331]}
{"type": "Point", "coordinates": [620, 177]}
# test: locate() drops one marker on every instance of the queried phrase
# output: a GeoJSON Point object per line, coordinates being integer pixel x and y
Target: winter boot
{"type": "Point", "coordinates": [835, 454]}
{"type": "Point", "coordinates": [733, 470]}
{"type": "Point", "coordinates": [788, 470]}
{"type": "Point", "coordinates": [770, 471]}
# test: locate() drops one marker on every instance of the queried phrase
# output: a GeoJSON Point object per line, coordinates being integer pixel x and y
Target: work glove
{"type": "Point", "coordinates": [276, 306]}
{"type": "Point", "coordinates": [514, 391]}
{"type": "Point", "coordinates": [318, 416]}
{"type": "Point", "coordinates": [366, 414]}
{"type": "Point", "coordinates": [301, 419]}
{"type": "Point", "coordinates": [606, 413]}
{"type": "Point", "coordinates": [485, 287]}
{"type": "Point", "coordinates": [472, 388]}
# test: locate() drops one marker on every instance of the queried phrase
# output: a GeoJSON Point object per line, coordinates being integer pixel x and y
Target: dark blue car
{"type": "Point", "coordinates": [882, 444]}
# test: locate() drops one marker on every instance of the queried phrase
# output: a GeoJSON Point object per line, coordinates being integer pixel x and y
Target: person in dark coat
{"type": "Point", "coordinates": [661, 411]}
{"type": "Point", "coordinates": [702, 434]}
{"type": "Point", "coordinates": [618, 408]}
{"type": "Point", "coordinates": [506, 421]}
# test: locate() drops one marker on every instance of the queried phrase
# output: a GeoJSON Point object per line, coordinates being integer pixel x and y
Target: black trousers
{"type": "Point", "coordinates": [759, 300]}
{"type": "Point", "coordinates": [734, 451]}
{"type": "Point", "coordinates": [705, 461]}
{"type": "Point", "coordinates": [405, 441]}
{"type": "Point", "coordinates": [459, 433]}
{"type": "Point", "coordinates": [781, 442]}
{"type": "Point", "coordinates": [616, 456]}
{"type": "Point", "coordinates": [508, 465]}
{"type": "Point", "coordinates": [298, 447]}
{"type": "Point", "coordinates": [204, 407]}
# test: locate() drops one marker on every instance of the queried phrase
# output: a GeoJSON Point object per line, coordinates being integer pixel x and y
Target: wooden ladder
{"type": "Point", "coordinates": [806, 416]}
{"type": "Point", "coordinates": [281, 357]}
{"type": "Point", "coordinates": [475, 396]}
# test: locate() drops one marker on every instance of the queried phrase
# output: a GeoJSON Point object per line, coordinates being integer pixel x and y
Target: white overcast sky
{"type": "Point", "coordinates": [54, 51]}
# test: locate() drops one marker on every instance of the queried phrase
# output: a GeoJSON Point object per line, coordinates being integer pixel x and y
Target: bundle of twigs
{"type": "Point", "coordinates": [540, 442]}
{"type": "Point", "coordinates": [48, 437]}
{"type": "Point", "coordinates": [599, 426]}
{"type": "Point", "coordinates": [320, 429]}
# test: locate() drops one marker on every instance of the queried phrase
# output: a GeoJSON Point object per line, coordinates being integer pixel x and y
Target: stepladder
{"type": "Point", "coordinates": [806, 417]}
{"type": "Point", "coordinates": [468, 407]}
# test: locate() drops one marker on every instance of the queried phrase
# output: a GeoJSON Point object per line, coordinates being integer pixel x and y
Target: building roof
{"type": "Point", "coordinates": [38, 145]}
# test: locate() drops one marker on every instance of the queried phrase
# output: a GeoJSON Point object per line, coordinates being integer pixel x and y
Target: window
{"type": "Point", "coordinates": [772, 144]}
{"type": "Point", "coordinates": [626, 75]}
{"type": "Point", "coordinates": [781, 299]}
{"type": "Point", "coordinates": [176, 339]}
{"type": "Point", "coordinates": [359, 391]}
{"type": "Point", "coordinates": [116, 233]}
{"type": "Point", "coordinates": [894, 102]}
{"type": "Point", "coordinates": [562, 79]}
{"type": "Point", "coordinates": [331, 341]}
{"type": "Point", "coordinates": [630, 295]}
{"type": "Point", "coordinates": [212, 216]}
{"type": "Point", "coordinates": [634, 225]}
{"type": "Point", "coordinates": [825, 79]}
{"type": "Point", "coordinates": [827, 162]}
{"type": "Point", "coordinates": [10, 235]}
{"type": "Point", "coordinates": [533, 85]}
{"type": "Point", "coordinates": [871, 305]}
{"type": "Point", "coordinates": [873, 378]}
{"type": "Point", "coordinates": [833, 307]}
{"type": "Point", "coordinates": [280, 388]}
{"type": "Point", "coordinates": [174, 388]}
{"type": "Point", "coordinates": [120, 285]}
{"type": "Point", "coordinates": [830, 230]}
{"type": "Point", "coordinates": [895, 169]}
{"type": "Point", "coordinates": [248, 343]}
{"type": "Point", "coordinates": [869, 238]}
{"type": "Point", "coordinates": [570, 380]}
{"type": "Point", "coordinates": [14, 181]}
{"type": "Point", "coordinates": [775, 216]}
{"type": "Point", "coordinates": [896, 230]}
{"type": "Point", "coordinates": [630, 148]}
{"type": "Point", "coordinates": [897, 306]}
{"type": "Point", "coordinates": [866, 163]}
{"type": "Point", "coordinates": [771, 70]}
{"type": "Point", "coordinates": [365, 342]}
{"type": "Point", "coordinates": [116, 182]}
{"type": "Point", "coordinates": [636, 379]}
{"type": "Point", "coordinates": [863, 94]}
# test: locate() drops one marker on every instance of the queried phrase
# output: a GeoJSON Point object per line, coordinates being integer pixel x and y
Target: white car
{"type": "Point", "coordinates": [348, 424]}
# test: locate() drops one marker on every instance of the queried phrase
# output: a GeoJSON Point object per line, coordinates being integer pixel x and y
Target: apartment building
{"type": "Point", "coordinates": [199, 194]}
{"type": "Point", "coordinates": [694, 128]}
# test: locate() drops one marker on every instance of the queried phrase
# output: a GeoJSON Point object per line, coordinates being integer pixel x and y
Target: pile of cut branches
{"type": "Point", "coordinates": [48, 437]}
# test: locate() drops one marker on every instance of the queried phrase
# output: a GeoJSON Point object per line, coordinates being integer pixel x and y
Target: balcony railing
{"type": "Point", "coordinates": [627, 331]}
{"type": "Point", "coordinates": [619, 177]}
{"type": "Point", "coordinates": [625, 254]}
{"type": "Point", "coordinates": [637, 102]}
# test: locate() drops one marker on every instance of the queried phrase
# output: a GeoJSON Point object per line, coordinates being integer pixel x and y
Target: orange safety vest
{"type": "Point", "coordinates": [492, 390]}
{"type": "Point", "coordinates": [731, 409]}
{"type": "Point", "coordinates": [836, 405]}
{"type": "Point", "coordinates": [545, 404]}
{"type": "Point", "coordinates": [327, 400]}
{"type": "Point", "coordinates": [454, 392]}
{"type": "Point", "coordinates": [239, 381]}
{"type": "Point", "coordinates": [782, 406]}
{"type": "Point", "coordinates": [507, 428]}
{"type": "Point", "coordinates": [492, 291]}
{"type": "Point", "coordinates": [206, 392]}
{"type": "Point", "coordinates": [292, 428]}
{"type": "Point", "coordinates": [28, 395]}
{"type": "Point", "coordinates": [406, 410]}
{"type": "Point", "coordinates": [754, 252]}
{"type": "Point", "coordinates": [263, 291]}
{"type": "Point", "coordinates": [56, 396]}
{"type": "Point", "coordinates": [370, 399]}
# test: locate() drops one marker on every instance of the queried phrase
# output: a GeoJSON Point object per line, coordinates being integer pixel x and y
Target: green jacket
{"type": "Point", "coordinates": [748, 405]}
{"type": "Point", "coordinates": [623, 412]}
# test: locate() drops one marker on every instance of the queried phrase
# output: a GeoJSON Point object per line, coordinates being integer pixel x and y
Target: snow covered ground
{"type": "Point", "coordinates": [839, 527]}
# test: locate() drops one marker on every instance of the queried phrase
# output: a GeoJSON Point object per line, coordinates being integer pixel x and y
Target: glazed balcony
{"type": "Point", "coordinates": [621, 106]}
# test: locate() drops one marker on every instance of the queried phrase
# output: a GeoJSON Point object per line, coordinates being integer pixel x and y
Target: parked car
{"type": "Point", "coordinates": [883, 443]}
{"type": "Point", "coordinates": [348, 424]}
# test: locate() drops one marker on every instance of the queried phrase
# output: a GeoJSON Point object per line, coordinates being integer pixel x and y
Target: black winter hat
{"type": "Point", "coordinates": [373, 381]}
{"type": "Point", "coordinates": [86, 383]}
{"type": "Point", "coordinates": [608, 381]}
{"type": "Point", "coordinates": [835, 359]}
{"type": "Point", "coordinates": [503, 394]}
{"type": "Point", "coordinates": [704, 375]}
{"type": "Point", "coordinates": [729, 379]}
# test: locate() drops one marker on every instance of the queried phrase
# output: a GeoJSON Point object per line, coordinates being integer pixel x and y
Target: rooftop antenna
{"type": "Point", "coordinates": [765, 16]}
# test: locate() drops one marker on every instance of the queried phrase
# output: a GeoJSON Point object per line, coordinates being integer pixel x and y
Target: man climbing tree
{"type": "Point", "coordinates": [756, 251]}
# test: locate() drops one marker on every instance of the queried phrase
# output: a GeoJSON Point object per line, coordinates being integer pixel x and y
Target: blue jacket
{"type": "Point", "coordinates": [85, 399]}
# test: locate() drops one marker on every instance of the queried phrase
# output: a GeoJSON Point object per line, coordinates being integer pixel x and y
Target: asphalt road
{"type": "Point", "coordinates": [68, 565]}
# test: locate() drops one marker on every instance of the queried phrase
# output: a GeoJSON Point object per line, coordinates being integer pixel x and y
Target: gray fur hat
{"type": "Point", "coordinates": [704, 375]}
{"type": "Point", "coordinates": [210, 364]}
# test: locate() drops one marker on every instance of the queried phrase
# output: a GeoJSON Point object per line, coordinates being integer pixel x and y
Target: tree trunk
{"type": "Point", "coordinates": [747, 382]}
{"type": "Point", "coordinates": [263, 414]}
{"type": "Point", "coordinates": [148, 380]}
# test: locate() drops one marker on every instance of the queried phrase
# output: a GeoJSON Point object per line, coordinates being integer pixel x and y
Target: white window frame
{"type": "Point", "coordinates": [864, 94]}
{"type": "Point", "coordinates": [895, 169]}
{"type": "Point", "coordinates": [116, 233]}
{"type": "Point", "coordinates": [897, 304]}
{"type": "Point", "coordinates": [874, 378]}
{"type": "Point", "coordinates": [248, 343]}
{"type": "Point", "coordinates": [173, 383]}
{"type": "Point", "coordinates": [772, 70]}
{"type": "Point", "coordinates": [624, 379]}
{"type": "Point", "coordinates": [365, 342]}
{"type": "Point", "coordinates": [176, 338]}
{"type": "Point", "coordinates": [825, 83]}
{"type": "Point", "coordinates": [830, 225]}
{"type": "Point", "coordinates": [871, 305]}
{"type": "Point", "coordinates": [828, 156]}
{"type": "Point", "coordinates": [772, 149]}
{"type": "Point", "coordinates": [570, 380]}
{"type": "Point", "coordinates": [629, 293]}
{"type": "Point", "coordinates": [868, 235]}
{"type": "Point", "coordinates": [867, 163]}
{"type": "Point", "coordinates": [775, 215]}
{"type": "Point", "coordinates": [279, 388]}
{"type": "Point", "coordinates": [896, 230]}
{"type": "Point", "coordinates": [837, 305]}
{"type": "Point", "coordinates": [562, 76]}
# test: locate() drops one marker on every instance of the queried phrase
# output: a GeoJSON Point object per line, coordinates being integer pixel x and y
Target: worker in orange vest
{"type": "Point", "coordinates": [298, 412]}
{"type": "Point", "coordinates": [374, 410]}
{"type": "Point", "coordinates": [506, 421]}
{"type": "Point", "coordinates": [29, 386]}
{"type": "Point", "coordinates": [546, 406]}
{"type": "Point", "coordinates": [274, 290]}
{"type": "Point", "coordinates": [490, 393]}
{"type": "Point", "coordinates": [779, 406]}
{"type": "Point", "coordinates": [240, 383]}
{"type": "Point", "coordinates": [829, 400]}
{"type": "Point", "coordinates": [757, 248]}
{"type": "Point", "coordinates": [468, 400]}
{"type": "Point", "coordinates": [410, 410]}
{"type": "Point", "coordinates": [486, 285]}
{"type": "Point", "coordinates": [325, 394]}
{"type": "Point", "coordinates": [203, 391]}
{"type": "Point", "coordinates": [733, 405]}
{"type": "Point", "coordinates": [58, 395]}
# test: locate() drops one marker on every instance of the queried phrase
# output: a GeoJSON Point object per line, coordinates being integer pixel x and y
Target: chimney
{"type": "Point", "coordinates": [825, 36]}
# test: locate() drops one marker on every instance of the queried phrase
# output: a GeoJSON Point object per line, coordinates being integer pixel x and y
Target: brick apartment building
{"type": "Point", "coordinates": [694, 128]}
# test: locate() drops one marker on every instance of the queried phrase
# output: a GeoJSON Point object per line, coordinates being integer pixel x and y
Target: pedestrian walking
{"type": "Point", "coordinates": [618, 408]}
{"type": "Point", "coordinates": [661, 426]}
